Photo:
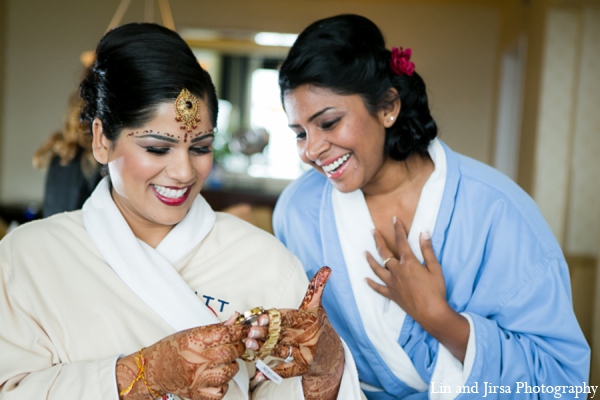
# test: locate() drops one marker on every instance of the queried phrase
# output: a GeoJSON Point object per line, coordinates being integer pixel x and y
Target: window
{"type": "Point", "coordinates": [279, 159]}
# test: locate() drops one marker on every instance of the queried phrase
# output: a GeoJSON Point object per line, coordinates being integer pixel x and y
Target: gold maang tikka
{"type": "Point", "coordinates": [187, 110]}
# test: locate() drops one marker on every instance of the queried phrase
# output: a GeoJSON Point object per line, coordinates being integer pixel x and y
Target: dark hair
{"type": "Point", "coordinates": [347, 54]}
{"type": "Point", "coordinates": [137, 67]}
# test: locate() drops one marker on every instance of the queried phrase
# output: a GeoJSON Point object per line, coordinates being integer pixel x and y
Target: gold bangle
{"type": "Point", "coordinates": [273, 335]}
{"type": "Point", "coordinates": [140, 361]}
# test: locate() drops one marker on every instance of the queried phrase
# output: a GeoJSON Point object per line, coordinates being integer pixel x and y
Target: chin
{"type": "Point", "coordinates": [345, 188]}
{"type": "Point", "coordinates": [172, 218]}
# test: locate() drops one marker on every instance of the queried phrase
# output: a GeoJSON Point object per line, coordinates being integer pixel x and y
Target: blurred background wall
{"type": "Point", "coordinates": [513, 83]}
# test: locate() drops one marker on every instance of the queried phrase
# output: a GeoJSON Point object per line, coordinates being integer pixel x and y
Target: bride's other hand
{"type": "Point", "coordinates": [310, 344]}
{"type": "Point", "coordinates": [197, 363]}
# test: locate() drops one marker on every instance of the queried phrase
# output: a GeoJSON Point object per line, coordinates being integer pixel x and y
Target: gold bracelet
{"type": "Point", "coordinates": [140, 361]}
{"type": "Point", "coordinates": [273, 335]}
{"type": "Point", "coordinates": [250, 317]}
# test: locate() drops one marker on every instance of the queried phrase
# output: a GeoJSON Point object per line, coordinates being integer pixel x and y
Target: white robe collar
{"type": "Point", "coordinates": [149, 272]}
{"type": "Point", "coordinates": [382, 318]}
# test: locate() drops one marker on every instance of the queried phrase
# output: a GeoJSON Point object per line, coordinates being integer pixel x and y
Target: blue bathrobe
{"type": "Point", "coordinates": [502, 266]}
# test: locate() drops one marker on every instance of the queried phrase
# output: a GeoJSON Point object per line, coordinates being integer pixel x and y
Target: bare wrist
{"type": "Point", "coordinates": [436, 317]}
{"type": "Point", "coordinates": [450, 329]}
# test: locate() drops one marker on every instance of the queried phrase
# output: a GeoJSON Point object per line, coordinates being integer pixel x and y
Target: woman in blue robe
{"type": "Point", "coordinates": [447, 282]}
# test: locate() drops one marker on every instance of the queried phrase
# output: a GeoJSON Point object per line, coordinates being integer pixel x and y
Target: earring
{"type": "Point", "coordinates": [391, 118]}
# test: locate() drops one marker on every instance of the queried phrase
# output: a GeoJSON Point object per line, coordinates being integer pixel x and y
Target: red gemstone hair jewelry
{"type": "Point", "coordinates": [187, 110]}
{"type": "Point", "coordinates": [400, 61]}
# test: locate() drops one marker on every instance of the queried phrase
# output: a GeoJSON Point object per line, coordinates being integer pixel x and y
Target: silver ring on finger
{"type": "Point", "coordinates": [289, 357]}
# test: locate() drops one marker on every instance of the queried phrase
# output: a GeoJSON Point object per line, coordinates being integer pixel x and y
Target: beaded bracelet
{"type": "Point", "coordinates": [140, 361]}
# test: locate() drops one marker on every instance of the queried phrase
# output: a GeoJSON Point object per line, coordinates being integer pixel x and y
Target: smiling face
{"type": "Point", "coordinates": [338, 136]}
{"type": "Point", "coordinates": [157, 170]}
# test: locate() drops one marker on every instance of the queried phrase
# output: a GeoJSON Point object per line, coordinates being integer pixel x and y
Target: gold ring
{"type": "Point", "coordinates": [249, 317]}
{"type": "Point", "coordinates": [273, 335]}
{"type": "Point", "coordinates": [249, 355]}
{"type": "Point", "coordinates": [386, 261]}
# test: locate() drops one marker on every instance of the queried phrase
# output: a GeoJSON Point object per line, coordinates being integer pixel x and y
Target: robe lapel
{"type": "Point", "coordinates": [149, 272]}
{"type": "Point", "coordinates": [341, 293]}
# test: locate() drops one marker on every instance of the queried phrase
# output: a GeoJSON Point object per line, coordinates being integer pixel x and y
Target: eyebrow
{"type": "Point", "coordinates": [200, 138]}
{"type": "Point", "coordinates": [172, 140]}
{"type": "Point", "coordinates": [312, 117]}
{"type": "Point", "coordinates": [159, 137]}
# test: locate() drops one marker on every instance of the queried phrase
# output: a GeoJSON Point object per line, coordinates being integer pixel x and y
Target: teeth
{"type": "Point", "coordinates": [170, 193]}
{"type": "Point", "coordinates": [334, 165]}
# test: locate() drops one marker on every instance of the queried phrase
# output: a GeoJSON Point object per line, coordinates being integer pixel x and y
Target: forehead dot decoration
{"type": "Point", "coordinates": [187, 110]}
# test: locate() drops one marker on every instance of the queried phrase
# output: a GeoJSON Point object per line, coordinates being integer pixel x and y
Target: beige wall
{"type": "Point", "coordinates": [566, 184]}
{"type": "Point", "coordinates": [43, 42]}
{"type": "Point", "coordinates": [561, 143]}
{"type": "Point", "coordinates": [455, 47]}
{"type": "Point", "coordinates": [555, 119]}
{"type": "Point", "coordinates": [583, 216]}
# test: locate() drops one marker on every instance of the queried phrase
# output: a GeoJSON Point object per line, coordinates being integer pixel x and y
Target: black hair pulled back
{"type": "Point", "coordinates": [137, 67]}
{"type": "Point", "coordinates": [347, 55]}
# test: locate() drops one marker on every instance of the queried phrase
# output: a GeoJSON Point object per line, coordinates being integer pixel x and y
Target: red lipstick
{"type": "Point", "coordinates": [171, 201]}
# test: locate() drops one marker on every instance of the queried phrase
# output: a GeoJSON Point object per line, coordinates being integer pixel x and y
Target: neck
{"type": "Point", "coordinates": [400, 176]}
{"type": "Point", "coordinates": [149, 233]}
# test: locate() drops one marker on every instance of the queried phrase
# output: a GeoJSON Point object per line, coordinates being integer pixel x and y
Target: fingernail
{"type": "Point", "coordinates": [251, 344]}
{"type": "Point", "coordinates": [425, 235]}
{"type": "Point", "coordinates": [253, 334]}
{"type": "Point", "coordinates": [259, 378]}
{"type": "Point", "coordinates": [232, 319]}
{"type": "Point", "coordinates": [394, 220]}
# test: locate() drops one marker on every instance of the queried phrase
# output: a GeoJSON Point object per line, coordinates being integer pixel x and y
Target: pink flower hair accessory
{"type": "Point", "coordinates": [400, 61]}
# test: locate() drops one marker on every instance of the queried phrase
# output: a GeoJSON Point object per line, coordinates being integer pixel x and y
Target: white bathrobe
{"type": "Point", "coordinates": [66, 315]}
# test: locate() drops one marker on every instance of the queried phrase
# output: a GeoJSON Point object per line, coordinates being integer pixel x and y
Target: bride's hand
{"type": "Point", "coordinates": [308, 337]}
{"type": "Point", "coordinates": [197, 363]}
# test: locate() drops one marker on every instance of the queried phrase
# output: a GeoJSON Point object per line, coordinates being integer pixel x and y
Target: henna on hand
{"type": "Point", "coordinates": [323, 379]}
{"type": "Point", "coordinates": [197, 363]}
{"type": "Point", "coordinates": [126, 372]}
{"type": "Point", "coordinates": [313, 295]}
{"type": "Point", "coordinates": [316, 347]}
